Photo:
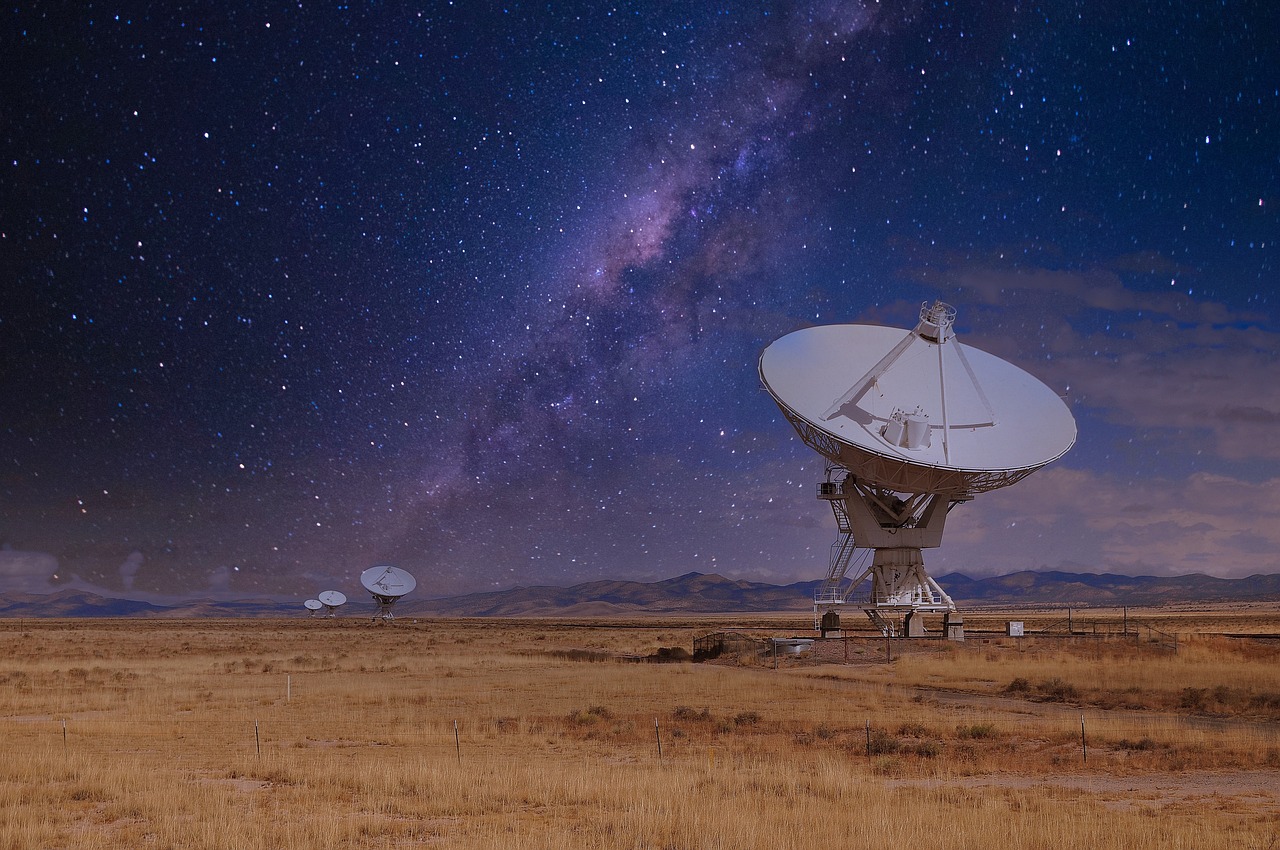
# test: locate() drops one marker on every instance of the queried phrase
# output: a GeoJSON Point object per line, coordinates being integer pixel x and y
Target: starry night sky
{"type": "Point", "coordinates": [479, 290]}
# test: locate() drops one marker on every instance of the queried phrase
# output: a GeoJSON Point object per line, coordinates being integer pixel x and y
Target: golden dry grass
{"type": "Point", "coordinates": [320, 733]}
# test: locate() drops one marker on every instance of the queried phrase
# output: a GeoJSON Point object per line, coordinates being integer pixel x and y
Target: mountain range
{"type": "Point", "coordinates": [691, 593]}
{"type": "Point", "coordinates": [708, 594]}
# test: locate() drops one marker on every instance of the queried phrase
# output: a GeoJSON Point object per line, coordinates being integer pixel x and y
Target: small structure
{"type": "Point", "coordinates": [716, 644]}
{"type": "Point", "coordinates": [791, 646]}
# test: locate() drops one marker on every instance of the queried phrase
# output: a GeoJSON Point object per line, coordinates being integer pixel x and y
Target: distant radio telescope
{"type": "Point", "coordinates": [387, 584]}
{"type": "Point", "coordinates": [332, 600]}
{"type": "Point", "coordinates": [313, 605]}
{"type": "Point", "coordinates": [911, 423]}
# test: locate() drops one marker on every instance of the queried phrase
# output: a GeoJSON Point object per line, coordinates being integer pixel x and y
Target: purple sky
{"type": "Point", "coordinates": [292, 292]}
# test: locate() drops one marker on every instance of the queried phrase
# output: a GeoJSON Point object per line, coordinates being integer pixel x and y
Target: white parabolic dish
{"type": "Point", "coordinates": [386, 581]}
{"type": "Point", "coordinates": [988, 422]}
{"type": "Point", "coordinates": [313, 604]}
{"type": "Point", "coordinates": [333, 598]}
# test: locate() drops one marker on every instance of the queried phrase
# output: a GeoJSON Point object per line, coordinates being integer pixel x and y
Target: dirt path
{"type": "Point", "coordinates": [1256, 791]}
{"type": "Point", "coordinates": [1250, 790]}
{"type": "Point", "coordinates": [1068, 713]}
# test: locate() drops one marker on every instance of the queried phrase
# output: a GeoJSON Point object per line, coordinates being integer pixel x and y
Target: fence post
{"type": "Point", "coordinates": [1084, 747]}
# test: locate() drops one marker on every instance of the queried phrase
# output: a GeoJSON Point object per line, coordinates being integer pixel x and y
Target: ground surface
{"type": "Point", "coordinates": [538, 733]}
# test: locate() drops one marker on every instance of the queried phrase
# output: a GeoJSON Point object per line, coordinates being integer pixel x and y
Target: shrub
{"type": "Point", "coordinates": [881, 743]}
{"type": "Point", "coordinates": [887, 766]}
{"type": "Point", "coordinates": [684, 712]}
{"type": "Point", "coordinates": [590, 715]}
{"type": "Point", "coordinates": [976, 732]}
{"type": "Point", "coordinates": [746, 718]}
{"type": "Point", "coordinates": [1193, 699]}
{"type": "Point", "coordinates": [1056, 690]}
{"type": "Point", "coordinates": [671, 653]}
{"type": "Point", "coordinates": [1141, 745]}
{"type": "Point", "coordinates": [926, 749]}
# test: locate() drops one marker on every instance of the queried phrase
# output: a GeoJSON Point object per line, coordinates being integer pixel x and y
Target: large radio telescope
{"type": "Point", "coordinates": [911, 423]}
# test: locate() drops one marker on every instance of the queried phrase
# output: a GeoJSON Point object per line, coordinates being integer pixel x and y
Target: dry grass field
{"type": "Point", "coordinates": [530, 734]}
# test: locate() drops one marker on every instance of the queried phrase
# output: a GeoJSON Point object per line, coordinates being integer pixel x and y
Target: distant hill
{"type": "Point", "coordinates": [707, 594]}
{"type": "Point", "coordinates": [691, 593]}
{"type": "Point", "coordinates": [80, 603]}
{"type": "Point", "coordinates": [1106, 589]}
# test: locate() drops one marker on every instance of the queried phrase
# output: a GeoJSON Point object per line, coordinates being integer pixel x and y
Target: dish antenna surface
{"type": "Point", "coordinates": [313, 605]}
{"type": "Point", "coordinates": [333, 599]}
{"type": "Point", "coordinates": [911, 423]}
{"type": "Point", "coordinates": [387, 584]}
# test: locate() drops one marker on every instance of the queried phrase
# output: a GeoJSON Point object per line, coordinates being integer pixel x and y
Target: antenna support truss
{"type": "Point", "coordinates": [893, 526]}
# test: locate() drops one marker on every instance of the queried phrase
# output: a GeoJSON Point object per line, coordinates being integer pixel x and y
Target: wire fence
{"type": "Point", "coordinates": [955, 719]}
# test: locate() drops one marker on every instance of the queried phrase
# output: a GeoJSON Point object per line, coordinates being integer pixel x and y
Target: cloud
{"type": "Point", "coordinates": [1190, 436]}
{"type": "Point", "coordinates": [1062, 518]}
{"type": "Point", "coordinates": [129, 569]}
{"type": "Point", "coordinates": [219, 581]}
{"type": "Point", "coordinates": [1202, 386]}
{"type": "Point", "coordinates": [1176, 371]}
{"type": "Point", "coordinates": [1071, 292]}
{"type": "Point", "coordinates": [27, 572]}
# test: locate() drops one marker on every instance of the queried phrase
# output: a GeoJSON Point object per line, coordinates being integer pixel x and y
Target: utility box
{"type": "Point", "coordinates": [1013, 628]}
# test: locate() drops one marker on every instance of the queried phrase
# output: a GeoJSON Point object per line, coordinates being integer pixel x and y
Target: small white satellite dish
{"type": "Point", "coordinates": [313, 605]}
{"type": "Point", "coordinates": [911, 423]}
{"type": "Point", "coordinates": [386, 584]}
{"type": "Point", "coordinates": [332, 599]}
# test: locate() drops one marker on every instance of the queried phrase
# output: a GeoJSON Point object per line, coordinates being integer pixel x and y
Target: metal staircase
{"type": "Point", "coordinates": [886, 628]}
{"type": "Point", "coordinates": [829, 593]}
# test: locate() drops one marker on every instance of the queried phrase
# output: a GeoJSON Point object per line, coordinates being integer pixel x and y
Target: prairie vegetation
{"type": "Point", "coordinates": [1208, 675]}
{"type": "Point", "coordinates": [529, 734]}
